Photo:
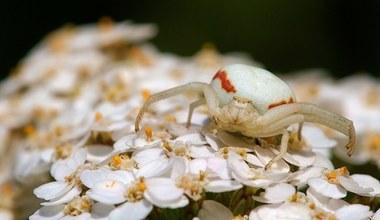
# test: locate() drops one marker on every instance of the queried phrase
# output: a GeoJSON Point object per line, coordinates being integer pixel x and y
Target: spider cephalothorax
{"type": "Point", "coordinates": [256, 103]}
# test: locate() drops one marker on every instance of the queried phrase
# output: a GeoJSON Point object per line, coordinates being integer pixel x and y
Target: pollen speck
{"type": "Point", "coordinates": [29, 130]}
{"type": "Point", "coordinates": [116, 159]}
{"type": "Point", "coordinates": [148, 133]}
{"type": "Point", "coordinates": [141, 187]}
{"type": "Point", "coordinates": [98, 116]}
{"type": "Point", "coordinates": [145, 94]}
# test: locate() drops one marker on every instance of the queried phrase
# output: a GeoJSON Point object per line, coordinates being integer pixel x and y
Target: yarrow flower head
{"type": "Point", "coordinates": [70, 111]}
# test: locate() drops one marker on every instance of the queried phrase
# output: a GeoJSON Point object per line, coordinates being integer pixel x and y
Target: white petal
{"type": "Point", "coordinates": [121, 145]}
{"type": "Point", "coordinates": [361, 185]}
{"type": "Point", "coordinates": [132, 210]}
{"type": "Point", "coordinates": [108, 192]}
{"type": "Point", "coordinates": [6, 214]}
{"type": "Point", "coordinates": [368, 181]}
{"type": "Point", "coordinates": [26, 162]}
{"type": "Point", "coordinates": [302, 158]}
{"type": "Point", "coordinates": [140, 142]}
{"type": "Point", "coordinates": [79, 157]}
{"type": "Point", "coordinates": [48, 213]}
{"type": "Point", "coordinates": [220, 167]}
{"type": "Point", "coordinates": [376, 216]}
{"type": "Point", "coordinates": [290, 211]}
{"type": "Point", "coordinates": [319, 200]}
{"type": "Point", "coordinates": [265, 155]}
{"type": "Point", "coordinates": [212, 210]}
{"type": "Point", "coordinates": [238, 165]}
{"type": "Point", "coordinates": [146, 156]}
{"type": "Point", "coordinates": [201, 151]}
{"type": "Point", "coordinates": [193, 138]}
{"type": "Point", "coordinates": [178, 129]}
{"type": "Point", "coordinates": [65, 198]}
{"type": "Point", "coordinates": [59, 170]}
{"type": "Point", "coordinates": [322, 161]}
{"type": "Point", "coordinates": [265, 212]}
{"type": "Point", "coordinates": [153, 168]}
{"type": "Point", "coordinates": [217, 186]}
{"type": "Point", "coordinates": [354, 212]}
{"type": "Point", "coordinates": [52, 190]}
{"type": "Point", "coordinates": [214, 141]}
{"type": "Point", "coordinates": [83, 216]}
{"type": "Point", "coordinates": [327, 189]}
{"type": "Point", "coordinates": [90, 177]}
{"type": "Point", "coordinates": [197, 165]}
{"type": "Point", "coordinates": [301, 177]}
{"type": "Point", "coordinates": [276, 193]}
{"type": "Point", "coordinates": [180, 202]}
{"type": "Point", "coordinates": [47, 154]}
{"type": "Point", "coordinates": [179, 166]}
{"type": "Point", "coordinates": [123, 176]}
{"type": "Point", "coordinates": [316, 138]}
{"type": "Point", "coordinates": [162, 190]}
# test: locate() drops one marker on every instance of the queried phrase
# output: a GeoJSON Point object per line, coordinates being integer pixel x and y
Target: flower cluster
{"type": "Point", "coordinates": [67, 130]}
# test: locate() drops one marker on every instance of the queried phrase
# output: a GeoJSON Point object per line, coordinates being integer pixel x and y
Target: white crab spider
{"type": "Point", "coordinates": [256, 103]}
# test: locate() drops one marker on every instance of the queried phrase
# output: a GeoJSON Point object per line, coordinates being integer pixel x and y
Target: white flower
{"type": "Point", "coordinates": [336, 183]}
{"type": "Point", "coordinates": [137, 195]}
{"type": "Point", "coordinates": [80, 208]}
{"type": "Point", "coordinates": [110, 117]}
{"type": "Point", "coordinates": [300, 206]}
{"type": "Point", "coordinates": [251, 176]}
{"type": "Point", "coordinates": [66, 173]}
{"type": "Point", "coordinates": [276, 193]}
{"type": "Point", "coordinates": [137, 140]}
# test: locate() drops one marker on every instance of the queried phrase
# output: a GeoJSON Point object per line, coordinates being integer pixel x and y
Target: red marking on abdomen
{"type": "Point", "coordinates": [283, 102]}
{"type": "Point", "coordinates": [226, 84]}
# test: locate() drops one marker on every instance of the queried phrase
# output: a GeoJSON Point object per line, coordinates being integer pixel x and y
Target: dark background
{"type": "Point", "coordinates": [341, 36]}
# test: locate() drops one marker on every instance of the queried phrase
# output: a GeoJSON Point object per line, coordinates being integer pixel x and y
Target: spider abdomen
{"type": "Point", "coordinates": [261, 86]}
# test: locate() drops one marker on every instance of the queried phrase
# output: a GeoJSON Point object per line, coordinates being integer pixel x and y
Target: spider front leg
{"type": "Point", "coordinates": [209, 95]}
{"type": "Point", "coordinates": [314, 114]}
{"type": "Point", "coordinates": [193, 105]}
{"type": "Point", "coordinates": [283, 149]}
{"type": "Point", "coordinates": [272, 127]}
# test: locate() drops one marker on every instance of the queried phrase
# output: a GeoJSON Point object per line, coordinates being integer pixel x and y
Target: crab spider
{"type": "Point", "coordinates": [255, 103]}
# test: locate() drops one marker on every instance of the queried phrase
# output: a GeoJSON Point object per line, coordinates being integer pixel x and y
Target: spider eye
{"type": "Point", "coordinates": [241, 99]}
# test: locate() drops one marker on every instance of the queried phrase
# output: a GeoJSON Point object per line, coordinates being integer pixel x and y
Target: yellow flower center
{"type": "Point", "coordinates": [116, 159]}
{"type": "Point", "coordinates": [332, 176]}
{"type": "Point", "coordinates": [122, 162]}
{"type": "Point", "coordinates": [63, 151]}
{"type": "Point", "coordinates": [136, 190]}
{"type": "Point", "coordinates": [78, 206]}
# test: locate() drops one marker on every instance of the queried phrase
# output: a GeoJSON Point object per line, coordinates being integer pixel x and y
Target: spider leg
{"type": "Point", "coordinates": [283, 148]}
{"type": "Point", "coordinates": [299, 131]}
{"type": "Point", "coordinates": [209, 94]}
{"type": "Point", "coordinates": [315, 115]}
{"type": "Point", "coordinates": [193, 105]}
{"type": "Point", "coordinates": [285, 122]}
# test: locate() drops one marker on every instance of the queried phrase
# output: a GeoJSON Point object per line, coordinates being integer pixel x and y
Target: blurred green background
{"type": "Point", "coordinates": [341, 36]}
